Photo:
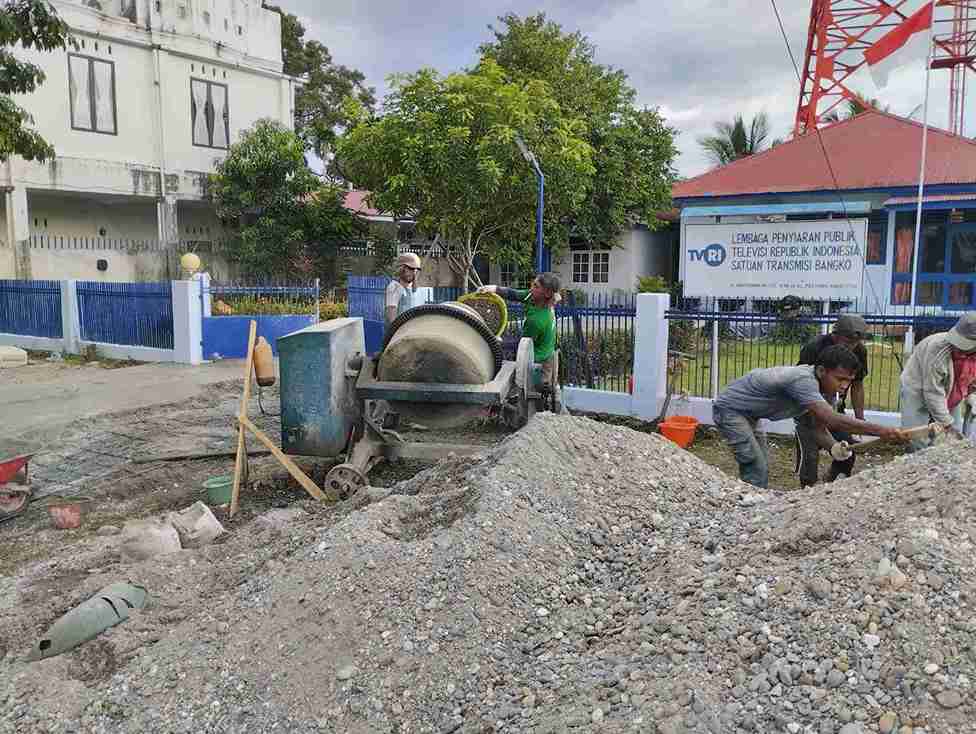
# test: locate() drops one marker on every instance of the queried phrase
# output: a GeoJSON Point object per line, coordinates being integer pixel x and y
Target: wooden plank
{"type": "Point", "coordinates": [197, 455]}
{"type": "Point", "coordinates": [293, 469]}
{"type": "Point", "coordinates": [239, 462]}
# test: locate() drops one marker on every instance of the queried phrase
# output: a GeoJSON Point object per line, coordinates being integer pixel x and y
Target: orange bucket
{"type": "Point", "coordinates": [680, 429]}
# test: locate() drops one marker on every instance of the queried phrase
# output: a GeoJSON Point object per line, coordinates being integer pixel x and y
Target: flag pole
{"type": "Point", "coordinates": [910, 337]}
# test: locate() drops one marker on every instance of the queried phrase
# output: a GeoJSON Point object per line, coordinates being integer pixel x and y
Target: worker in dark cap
{"type": "Point", "coordinates": [849, 331]}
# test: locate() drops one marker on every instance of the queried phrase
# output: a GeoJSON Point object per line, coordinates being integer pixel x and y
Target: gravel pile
{"type": "Point", "coordinates": [579, 577]}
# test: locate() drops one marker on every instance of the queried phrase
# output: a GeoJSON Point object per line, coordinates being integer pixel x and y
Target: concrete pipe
{"type": "Point", "coordinates": [447, 343]}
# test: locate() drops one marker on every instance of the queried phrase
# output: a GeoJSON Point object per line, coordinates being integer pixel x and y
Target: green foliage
{"type": "Point", "coordinates": [652, 284]}
{"type": "Point", "coordinates": [27, 24]}
{"type": "Point", "coordinates": [609, 353]}
{"type": "Point", "coordinates": [320, 110]}
{"type": "Point", "coordinates": [386, 250]}
{"type": "Point", "coordinates": [261, 306]}
{"type": "Point", "coordinates": [444, 154]}
{"type": "Point", "coordinates": [580, 297]}
{"type": "Point", "coordinates": [329, 310]}
{"type": "Point", "coordinates": [788, 331]}
{"type": "Point", "coordinates": [734, 140]}
{"type": "Point", "coordinates": [286, 221]}
{"type": "Point", "coordinates": [633, 148]}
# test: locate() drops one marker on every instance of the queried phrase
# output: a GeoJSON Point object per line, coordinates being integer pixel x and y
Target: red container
{"type": "Point", "coordinates": [680, 429]}
{"type": "Point", "coordinates": [9, 467]}
{"type": "Point", "coordinates": [66, 514]}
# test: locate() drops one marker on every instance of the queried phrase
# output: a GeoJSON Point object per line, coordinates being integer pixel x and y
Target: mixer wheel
{"type": "Point", "coordinates": [344, 480]}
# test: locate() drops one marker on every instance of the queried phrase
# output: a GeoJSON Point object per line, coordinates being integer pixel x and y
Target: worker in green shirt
{"type": "Point", "coordinates": [539, 323]}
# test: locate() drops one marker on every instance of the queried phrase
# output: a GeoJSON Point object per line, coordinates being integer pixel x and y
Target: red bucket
{"type": "Point", "coordinates": [680, 429]}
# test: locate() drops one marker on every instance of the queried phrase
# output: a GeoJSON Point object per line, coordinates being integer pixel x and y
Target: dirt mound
{"type": "Point", "coordinates": [579, 577]}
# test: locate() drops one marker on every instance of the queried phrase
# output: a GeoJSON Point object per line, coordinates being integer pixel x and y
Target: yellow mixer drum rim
{"type": "Point", "coordinates": [496, 301]}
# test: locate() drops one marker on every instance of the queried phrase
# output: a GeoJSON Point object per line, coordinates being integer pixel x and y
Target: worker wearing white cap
{"type": "Point", "coordinates": [937, 379]}
{"type": "Point", "coordinates": [401, 293]}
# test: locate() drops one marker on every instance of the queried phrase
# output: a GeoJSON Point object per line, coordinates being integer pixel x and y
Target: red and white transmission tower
{"type": "Point", "coordinates": [841, 30]}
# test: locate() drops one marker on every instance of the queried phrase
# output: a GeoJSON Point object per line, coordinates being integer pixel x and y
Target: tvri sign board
{"type": "Point", "coordinates": [821, 260]}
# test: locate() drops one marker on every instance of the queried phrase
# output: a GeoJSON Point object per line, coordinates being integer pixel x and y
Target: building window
{"type": "Point", "coordinates": [581, 267]}
{"type": "Point", "coordinates": [91, 89]}
{"type": "Point", "coordinates": [601, 267]}
{"type": "Point", "coordinates": [946, 261]}
{"type": "Point", "coordinates": [209, 114]}
{"type": "Point", "coordinates": [508, 272]}
{"type": "Point", "coordinates": [877, 246]}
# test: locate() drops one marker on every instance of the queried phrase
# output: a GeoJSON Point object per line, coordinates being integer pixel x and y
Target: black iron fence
{"type": "Point", "coordinates": [729, 337]}
{"type": "Point", "coordinates": [595, 340]}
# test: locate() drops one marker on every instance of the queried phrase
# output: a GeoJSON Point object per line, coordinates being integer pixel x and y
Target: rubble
{"type": "Point", "coordinates": [579, 577]}
{"type": "Point", "coordinates": [144, 539]}
{"type": "Point", "coordinates": [196, 525]}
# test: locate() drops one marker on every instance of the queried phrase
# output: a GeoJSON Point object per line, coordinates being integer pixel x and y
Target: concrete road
{"type": "Point", "coordinates": [35, 412]}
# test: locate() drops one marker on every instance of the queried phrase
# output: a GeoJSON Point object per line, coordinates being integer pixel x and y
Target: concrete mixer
{"type": "Point", "coordinates": [440, 367]}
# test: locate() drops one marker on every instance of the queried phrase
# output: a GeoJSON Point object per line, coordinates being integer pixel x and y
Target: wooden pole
{"type": "Point", "coordinates": [293, 469]}
{"type": "Point", "coordinates": [242, 416]}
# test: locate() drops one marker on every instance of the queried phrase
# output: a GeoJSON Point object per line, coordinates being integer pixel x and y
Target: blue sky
{"type": "Point", "coordinates": [700, 61]}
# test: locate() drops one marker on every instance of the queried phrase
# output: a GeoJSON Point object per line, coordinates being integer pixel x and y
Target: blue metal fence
{"type": "Point", "coordinates": [131, 314]}
{"type": "Point", "coordinates": [31, 308]}
{"type": "Point", "coordinates": [278, 308]}
{"type": "Point", "coordinates": [595, 340]}
{"type": "Point", "coordinates": [730, 337]}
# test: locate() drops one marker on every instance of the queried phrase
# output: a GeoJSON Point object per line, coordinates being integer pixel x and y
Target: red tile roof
{"type": "Point", "coordinates": [872, 150]}
{"type": "Point", "coordinates": [356, 203]}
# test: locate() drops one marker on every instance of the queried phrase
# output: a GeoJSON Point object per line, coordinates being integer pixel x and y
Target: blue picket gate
{"type": "Point", "coordinates": [367, 296]}
{"type": "Point", "coordinates": [131, 314]}
{"type": "Point", "coordinates": [31, 308]}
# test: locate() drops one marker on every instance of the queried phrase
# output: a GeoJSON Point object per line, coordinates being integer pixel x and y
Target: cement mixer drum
{"type": "Point", "coordinates": [439, 343]}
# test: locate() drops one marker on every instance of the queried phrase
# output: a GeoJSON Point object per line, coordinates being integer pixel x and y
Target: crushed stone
{"type": "Point", "coordinates": [578, 577]}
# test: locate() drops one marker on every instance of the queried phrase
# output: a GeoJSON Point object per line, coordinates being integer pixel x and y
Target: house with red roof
{"type": "Point", "coordinates": [865, 167]}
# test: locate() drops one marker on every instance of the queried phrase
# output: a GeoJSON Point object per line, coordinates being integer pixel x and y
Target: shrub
{"type": "Point", "coordinates": [605, 354]}
{"type": "Point", "coordinates": [329, 310]}
{"type": "Point", "coordinates": [653, 284]}
{"type": "Point", "coordinates": [258, 306]}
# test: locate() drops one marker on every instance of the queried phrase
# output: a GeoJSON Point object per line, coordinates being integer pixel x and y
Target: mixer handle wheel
{"type": "Point", "coordinates": [344, 480]}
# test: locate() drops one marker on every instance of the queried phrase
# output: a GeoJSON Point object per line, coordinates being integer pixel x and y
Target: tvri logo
{"type": "Point", "coordinates": [713, 255]}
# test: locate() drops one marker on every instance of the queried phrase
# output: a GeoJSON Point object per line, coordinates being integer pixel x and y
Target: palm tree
{"type": "Point", "coordinates": [735, 140]}
{"type": "Point", "coordinates": [855, 106]}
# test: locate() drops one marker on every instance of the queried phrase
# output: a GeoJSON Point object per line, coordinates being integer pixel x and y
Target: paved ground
{"type": "Point", "coordinates": [37, 402]}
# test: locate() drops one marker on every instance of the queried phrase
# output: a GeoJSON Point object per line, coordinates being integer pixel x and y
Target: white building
{"type": "Point", "coordinates": [611, 272]}
{"type": "Point", "coordinates": [139, 112]}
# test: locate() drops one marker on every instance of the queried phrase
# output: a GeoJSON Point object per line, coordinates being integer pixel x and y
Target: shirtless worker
{"type": "Point", "coordinates": [778, 393]}
{"type": "Point", "coordinates": [540, 318]}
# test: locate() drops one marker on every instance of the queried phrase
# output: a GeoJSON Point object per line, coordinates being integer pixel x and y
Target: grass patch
{"type": "Point", "coordinates": [736, 357]}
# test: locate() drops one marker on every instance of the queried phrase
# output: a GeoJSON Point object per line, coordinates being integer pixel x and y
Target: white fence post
{"type": "Point", "coordinates": [204, 279]}
{"type": "Point", "coordinates": [650, 354]}
{"type": "Point", "coordinates": [187, 322]}
{"type": "Point", "coordinates": [713, 364]}
{"type": "Point", "coordinates": [70, 317]}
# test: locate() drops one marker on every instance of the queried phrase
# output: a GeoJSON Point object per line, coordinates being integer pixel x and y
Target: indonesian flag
{"type": "Point", "coordinates": [907, 43]}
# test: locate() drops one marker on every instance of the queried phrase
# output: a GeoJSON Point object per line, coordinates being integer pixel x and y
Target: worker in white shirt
{"type": "Point", "coordinates": [401, 293]}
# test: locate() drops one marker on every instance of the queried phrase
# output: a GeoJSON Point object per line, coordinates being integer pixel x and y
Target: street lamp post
{"type": "Point", "coordinates": [540, 177]}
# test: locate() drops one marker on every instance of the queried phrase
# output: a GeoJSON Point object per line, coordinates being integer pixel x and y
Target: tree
{"type": "Point", "coordinates": [735, 140]}
{"type": "Point", "coordinates": [444, 154]}
{"type": "Point", "coordinates": [855, 106]}
{"type": "Point", "coordinates": [287, 222]}
{"type": "Point", "coordinates": [633, 148]}
{"type": "Point", "coordinates": [29, 24]}
{"type": "Point", "coordinates": [320, 102]}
